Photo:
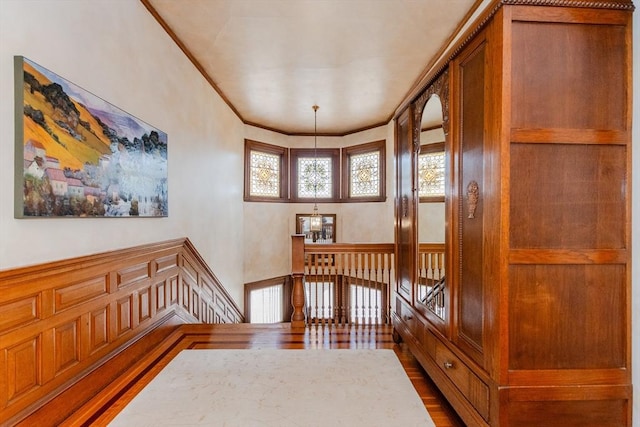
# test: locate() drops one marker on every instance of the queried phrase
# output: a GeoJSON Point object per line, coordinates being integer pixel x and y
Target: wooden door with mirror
{"type": "Point", "coordinates": [431, 169]}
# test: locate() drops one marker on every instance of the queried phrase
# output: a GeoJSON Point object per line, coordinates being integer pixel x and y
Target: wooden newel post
{"type": "Point", "coordinates": [297, 273]}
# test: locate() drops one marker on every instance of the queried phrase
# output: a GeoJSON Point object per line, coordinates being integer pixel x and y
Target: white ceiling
{"type": "Point", "coordinates": [272, 60]}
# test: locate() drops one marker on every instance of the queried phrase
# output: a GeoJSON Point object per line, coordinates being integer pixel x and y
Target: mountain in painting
{"type": "Point", "coordinates": [122, 125]}
{"type": "Point", "coordinates": [84, 156]}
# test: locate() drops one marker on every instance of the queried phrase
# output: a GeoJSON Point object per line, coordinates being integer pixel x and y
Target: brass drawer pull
{"type": "Point", "coordinates": [407, 317]}
{"type": "Point", "coordinates": [448, 365]}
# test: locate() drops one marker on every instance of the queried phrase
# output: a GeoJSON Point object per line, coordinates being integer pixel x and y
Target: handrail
{"type": "Point", "coordinates": [342, 283]}
{"type": "Point", "coordinates": [335, 248]}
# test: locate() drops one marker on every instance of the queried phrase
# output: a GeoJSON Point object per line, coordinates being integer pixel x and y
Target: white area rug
{"type": "Point", "coordinates": [279, 388]}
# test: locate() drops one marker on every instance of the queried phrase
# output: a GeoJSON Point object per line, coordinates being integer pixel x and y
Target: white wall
{"type": "Point", "coordinates": [118, 51]}
{"type": "Point", "coordinates": [269, 226]}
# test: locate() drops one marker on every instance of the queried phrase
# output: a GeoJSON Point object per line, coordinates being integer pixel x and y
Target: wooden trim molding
{"type": "Point", "coordinates": [610, 4]}
{"type": "Point", "coordinates": [189, 55]}
{"type": "Point", "coordinates": [60, 321]}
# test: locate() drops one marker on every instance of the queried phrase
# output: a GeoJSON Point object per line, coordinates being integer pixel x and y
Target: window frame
{"type": "Point", "coordinates": [283, 153]}
{"type": "Point", "coordinates": [434, 147]}
{"type": "Point", "coordinates": [287, 284]}
{"type": "Point", "coordinates": [333, 154]}
{"type": "Point", "coordinates": [368, 147]}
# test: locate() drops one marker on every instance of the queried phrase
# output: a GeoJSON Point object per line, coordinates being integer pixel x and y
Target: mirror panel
{"type": "Point", "coordinates": [430, 179]}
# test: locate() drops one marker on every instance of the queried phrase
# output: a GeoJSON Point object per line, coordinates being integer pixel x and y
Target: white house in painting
{"type": "Point", "coordinates": [58, 181]}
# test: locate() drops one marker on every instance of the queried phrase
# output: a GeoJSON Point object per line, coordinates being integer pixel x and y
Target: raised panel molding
{"type": "Point", "coordinates": [99, 329]}
{"type": "Point", "coordinates": [61, 320]}
{"type": "Point", "coordinates": [144, 304]}
{"type": "Point", "coordinates": [19, 313]}
{"type": "Point", "coordinates": [124, 316]}
{"type": "Point", "coordinates": [79, 292]}
{"type": "Point", "coordinates": [133, 274]}
{"type": "Point", "coordinates": [186, 303]}
{"type": "Point", "coordinates": [167, 263]}
{"type": "Point", "coordinates": [161, 295]}
{"type": "Point", "coordinates": [22, 368]}
{"type": "Point", "coordinates": [173, 290]}
{"type": "Point", "coordinates": [195, 305]}
{"type": "Point", "coordinates": [190, 270]}
{"type": "Point", "coordinates": [66, 346]}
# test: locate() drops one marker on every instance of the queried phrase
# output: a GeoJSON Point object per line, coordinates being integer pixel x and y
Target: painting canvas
{"type": "Point", "coordinates": [80, 156]}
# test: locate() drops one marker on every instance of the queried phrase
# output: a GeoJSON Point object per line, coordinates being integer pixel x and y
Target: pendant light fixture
{"type": "Point", "coordinates": [315, 223]}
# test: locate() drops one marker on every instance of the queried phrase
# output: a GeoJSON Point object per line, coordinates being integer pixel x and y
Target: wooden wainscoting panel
{"type": "Point", "coordinates": [189, 269]}
{"type": "Point", "coordinates": [124, 317]}
{"type": "Point", "coordinates": [195, 304]}
{"type": "Point", "coordinates": [161, 290]}
{"type": "Point", "coordinates": [18, 313]}
{"type": "Point", "coordinates": [166, 263]}
{"type": "Point", "coordinates": [206, 288]}
{"type": "Point", "coordinates": [66, 345]}
{"type": "Point", "coordinates": [221, 305]}
{"type": "Point", "coordinates": [173, 290]}
{"type": "Point", "coordinates": [208, 292]}
{"type": "Point", "coordinates": [98, 329]}
{"type": "Point", "coordinates": [144, 304]}
{"type": "Point", "coordinates": [70, 295]}
{"type": "Point", "coordinates": [61, 321]}
{"type": "Point", "coordinates": [93, 382]}
{"type": "Point", "coordinates": [132, 274]}
{"type": "Point", "coordinates": [208, 309]}
{"type": "Point", "coordinates": [22, 368]}
{"type": "Point", "coordinates": [185, 298]}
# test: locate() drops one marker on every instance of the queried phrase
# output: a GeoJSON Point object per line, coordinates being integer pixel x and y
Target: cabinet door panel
{"type": "Point", "coordinates": [470, 215]}
{"type": "Point", "coordinates": [405, 208]}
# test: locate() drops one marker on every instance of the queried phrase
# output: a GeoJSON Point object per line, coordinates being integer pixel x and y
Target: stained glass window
{"type": "Point", "coordinates": [431, 174]}
{"type": "Point", "coordinates": [314, 177]}
{"type": "Point", "coordinates": [265, 174]}
{"type": "Point", "coordinates": [365, 174]}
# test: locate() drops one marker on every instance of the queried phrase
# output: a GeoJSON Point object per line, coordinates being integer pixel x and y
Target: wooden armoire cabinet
{"type": "Point", "coordinates": [535, 325]}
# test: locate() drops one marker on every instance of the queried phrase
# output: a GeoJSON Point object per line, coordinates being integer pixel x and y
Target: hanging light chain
{"type": "Point", "coordinates": [316, 219]}
{"type": "Point", "coordinates": [315, 155]}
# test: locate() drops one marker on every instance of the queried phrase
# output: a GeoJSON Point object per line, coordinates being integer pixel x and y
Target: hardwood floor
{"type": "Point", "coordinates": [279, 336]}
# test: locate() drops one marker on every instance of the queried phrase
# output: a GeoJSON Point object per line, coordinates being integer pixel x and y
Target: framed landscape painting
{"type": "Point", "coordinates": [80, 156]}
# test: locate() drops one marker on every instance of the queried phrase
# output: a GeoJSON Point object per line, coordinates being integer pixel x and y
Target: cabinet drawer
{"type": "Point", "coordinates": [408, 317]}
{"type": "Point", "coordinates": [473, 389]}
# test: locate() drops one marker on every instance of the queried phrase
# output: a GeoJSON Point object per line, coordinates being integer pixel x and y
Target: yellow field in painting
{"type": "Point", "coordinates": [71, 152]}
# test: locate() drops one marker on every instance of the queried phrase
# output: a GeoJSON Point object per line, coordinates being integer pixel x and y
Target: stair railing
{"type": "Point", "coordinates": [342, 283]}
